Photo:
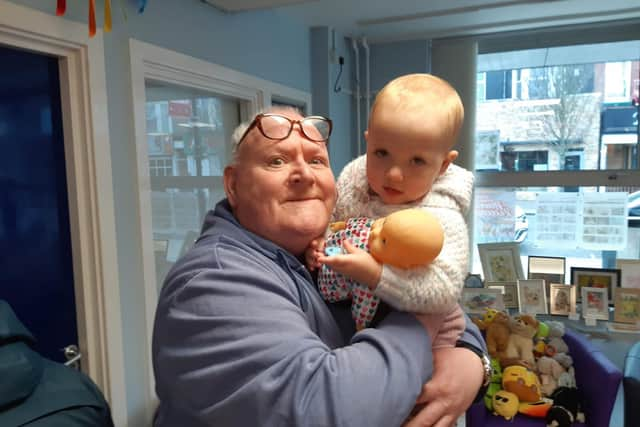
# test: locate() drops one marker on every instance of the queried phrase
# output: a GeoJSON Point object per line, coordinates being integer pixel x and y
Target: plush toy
{"type": "Point", "coordinates": [549, 371]}
{"type": "Point", "coordinates": [495, 385]}
{"type": "Point", "coordinates": [568, 378]}
{"type": "Point", "coordinates": [405, 239]}
{"type": "Point", "coordinates": [539, 347]}
{"type": "Point", "coordinates": [523, 382]}
{"type": "Point", "coordinates": [564, 359]}
{"type": "Point", "coordinates": [487, 318]}
{"type": "Point", "coordinates": [566, 408]}
{"type": "Point", "coordinates": [543, 330]}
{"type": "Point", "coordinates": [520, 345]}
{"type": "Point", "coordinates": [558, 345]}
{"type": "Point", "coordinates": [537, 409]}
{"type": "Point", "coordinates": [497, 335]}
{"type": "Point", "coordinates": [556, 329]}
{"type": "Point", "coordinates": [505, 404]}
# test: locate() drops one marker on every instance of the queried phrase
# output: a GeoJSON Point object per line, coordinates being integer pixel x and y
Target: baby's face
{"type": "Point", "coordinates": [403, 161]}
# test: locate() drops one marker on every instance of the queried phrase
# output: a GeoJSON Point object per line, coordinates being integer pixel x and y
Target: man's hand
{"type": "Point", "coordinates": [457, 377]}
{"type": "Point", "coordinates": [356, 264]}
{"type": "Point", "coordinates": [313, 252]}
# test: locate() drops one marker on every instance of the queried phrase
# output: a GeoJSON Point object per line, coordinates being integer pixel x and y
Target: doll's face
{"type": "Point", "coordinates": [406, 238]}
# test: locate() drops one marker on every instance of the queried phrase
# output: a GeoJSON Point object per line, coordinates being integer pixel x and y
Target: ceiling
{"type": "Point", "coordinates": [390, 20]}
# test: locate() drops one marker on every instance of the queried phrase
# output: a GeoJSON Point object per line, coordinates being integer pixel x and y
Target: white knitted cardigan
{"type": "Point", "coordinates": [435, 288]}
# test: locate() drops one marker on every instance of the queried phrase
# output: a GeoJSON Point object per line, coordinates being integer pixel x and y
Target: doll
{"type": "Point", "coordinates": [404, 239]}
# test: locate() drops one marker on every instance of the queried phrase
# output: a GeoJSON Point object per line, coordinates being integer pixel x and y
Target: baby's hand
{"type": "Point", "coordinates": [357, 264]}
{"type": "Point", "coordinates": [313, 253]}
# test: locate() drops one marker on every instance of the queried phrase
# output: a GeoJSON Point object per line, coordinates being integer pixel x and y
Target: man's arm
{"type": "Point", "coordinates": [231, 350]}
{"type": "Point", "coordinates": [457, 380]}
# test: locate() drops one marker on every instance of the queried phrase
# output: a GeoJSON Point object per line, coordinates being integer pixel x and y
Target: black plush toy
{"type": "Point", "coordinates": [566, 408]}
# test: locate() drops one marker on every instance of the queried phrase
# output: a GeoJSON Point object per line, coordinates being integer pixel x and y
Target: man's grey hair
{"type": "Point", "coordinates": [242, 127]}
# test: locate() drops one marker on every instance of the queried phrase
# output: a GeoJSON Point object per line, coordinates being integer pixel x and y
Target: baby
{"type": "Point", "coordinates": [413, 126]}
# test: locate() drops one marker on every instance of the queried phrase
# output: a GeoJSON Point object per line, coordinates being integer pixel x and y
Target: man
{"type": "Point", "coordinates": [243, 338]}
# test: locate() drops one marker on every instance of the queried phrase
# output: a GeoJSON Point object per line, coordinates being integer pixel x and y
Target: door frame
{"type": "Point", "coordinates": [89, 184]}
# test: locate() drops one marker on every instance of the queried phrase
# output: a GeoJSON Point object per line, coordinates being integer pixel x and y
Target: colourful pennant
{"type": "Point", "coordinates": [61, 8]}
{"type": "Point", "coordinates": [92, 18]}
{"type": "Point", "coordinates": [107, 16]}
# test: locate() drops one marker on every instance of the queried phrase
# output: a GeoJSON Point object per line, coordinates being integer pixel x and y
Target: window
{"type": "Point", "coordinates": [189, 143]}
{"type": "Point", "coordinates": [185, 110]}
{"type": "Point", "coordinates": [161, 166]}
{"type": "Point", "coordinates": [569, 133]}
{"type": "Point", "coordinates": [498, 84]}
{"type": "Point", "coordinates": [524, 160]}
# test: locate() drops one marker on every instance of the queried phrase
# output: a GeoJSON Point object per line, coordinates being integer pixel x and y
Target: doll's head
{"type": "Point", "coordinates": [406, 238]}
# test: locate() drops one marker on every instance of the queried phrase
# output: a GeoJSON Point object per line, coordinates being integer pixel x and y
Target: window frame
{"type": "Point", "coordinates": [151, 62]}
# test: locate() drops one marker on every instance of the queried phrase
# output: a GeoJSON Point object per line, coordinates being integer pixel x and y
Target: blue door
{"type": "Point", "coordinates": [36, 276]}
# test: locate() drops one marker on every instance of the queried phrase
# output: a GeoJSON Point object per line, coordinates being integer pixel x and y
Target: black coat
{"type": "Point", "coordinates": [38, 392]}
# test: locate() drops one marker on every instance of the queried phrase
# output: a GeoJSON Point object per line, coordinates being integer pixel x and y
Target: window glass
{"type": "Point", "coordinates": [545, 225]}
{"type": "Point", "coordinates": [560, 108]}
{"type": "Point", "coordinates": [189, 144]}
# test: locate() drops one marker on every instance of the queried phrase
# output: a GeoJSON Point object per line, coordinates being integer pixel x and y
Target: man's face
{"type": "Point", "coordinates": [282, 190]}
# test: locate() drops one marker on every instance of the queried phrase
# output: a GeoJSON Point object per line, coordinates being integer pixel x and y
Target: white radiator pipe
{"type": "Point", "coordinates": [367, 74]}
{"type": "Point", "coordinates": [356, 56]}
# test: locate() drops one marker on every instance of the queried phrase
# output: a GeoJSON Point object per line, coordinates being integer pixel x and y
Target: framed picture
{"type": "Point", "coordinates": [532, 297]}
{"type": "Point", "coordinates": [627, 305]}
{"type": "Point", "coordinates": [595, 278]}
{"type": "Point", "coordinates": [550, 269]}
{"type": "Point", "coordinates": [473, 281]}
{"type": "Point", "coordinates": [477, 300]}
{"type": "Point", "coordinates": [509, 292]}
{"type": "Point", "coordinates": [487, 149]}
{"type": "Point", "coordinates": [595, 302]}
{"type": "Point", "coordinates": [500, 261]}
{"type": "Point", "coordinates": [629, 272]}
{"type": "Point", "coordinates": [562, 300]}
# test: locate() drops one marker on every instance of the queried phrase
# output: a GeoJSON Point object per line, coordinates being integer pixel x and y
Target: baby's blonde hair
{"type": "Point", "coordinates": [423, 97]}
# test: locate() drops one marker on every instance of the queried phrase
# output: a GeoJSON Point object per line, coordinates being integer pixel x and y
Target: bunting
{"type": "Point", "coordinates": [61, 9]}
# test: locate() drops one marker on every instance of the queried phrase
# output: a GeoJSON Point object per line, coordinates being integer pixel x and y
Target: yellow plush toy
{"type": "Point", "coordinates": [505, 404]}
{"type": "Point", "coordinates": [405, 239]}
{"type": "Point", "coordinates": [487, 318]}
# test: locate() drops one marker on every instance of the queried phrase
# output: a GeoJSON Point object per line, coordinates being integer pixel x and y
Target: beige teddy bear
{"type": "Point", "coordinates": [520, 344]}
{"type": "Point", "coordinates": [549, 371]}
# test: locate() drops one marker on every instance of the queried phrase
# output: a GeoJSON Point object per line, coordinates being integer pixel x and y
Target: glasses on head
{"type": "Point", "coordinates": [278, 127]}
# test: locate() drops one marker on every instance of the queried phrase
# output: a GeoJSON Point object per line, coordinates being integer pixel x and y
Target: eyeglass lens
{"type": "Point", "coordinates": [279, 127]}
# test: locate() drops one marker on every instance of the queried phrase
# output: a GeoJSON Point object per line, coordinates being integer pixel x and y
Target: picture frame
{"type": "Point", "coordinates": [501, 261]}
{"type": "Point", "coordinates": [627, 306]}
{"type": "Point", "coordinates": [629, 272]}
{"type": "Point", "coordinates": [595, 302]}
{"type": "Point", "coordinates": [477, 300]}
{"type": "Point", "coordinates": [550, 269]}
{"type": "Point", "coordinates": [562, 301]}
{"type": "Point", "coordinates": [509, 293]}
{"type": "Point", "coordinates": [532, 297]}
{"type": "Point", "coordinates": [608, 278]}
{"type": "Point", "coordinates": [488, 150]}
{"type": "Point", "coordinates": [473, 281]}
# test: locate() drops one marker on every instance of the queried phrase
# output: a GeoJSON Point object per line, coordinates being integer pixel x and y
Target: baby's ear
{"type": "Point", "coordinates": [448, 159]}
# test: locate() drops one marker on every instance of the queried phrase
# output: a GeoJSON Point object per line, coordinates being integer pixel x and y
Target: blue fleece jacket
{"type": "Point", "coordinates": [243, 338]}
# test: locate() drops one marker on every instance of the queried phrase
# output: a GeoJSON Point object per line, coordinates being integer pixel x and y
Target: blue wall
{"type": "Point", "coordinates": [394, 59]}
